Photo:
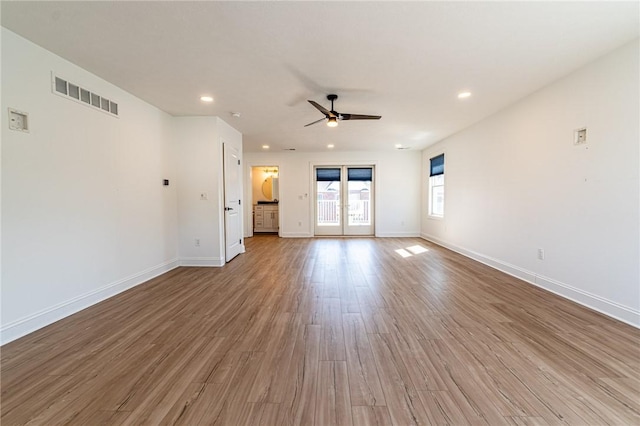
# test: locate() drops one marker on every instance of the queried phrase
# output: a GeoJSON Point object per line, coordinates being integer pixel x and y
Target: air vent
{"type": "Point", "coordinates": [95, 100]}
{"type": "Point", "coordinates": [74, 92]}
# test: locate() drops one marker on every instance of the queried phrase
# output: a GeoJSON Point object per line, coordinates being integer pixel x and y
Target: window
{"type": "Point", "coordinates": [436, 186]}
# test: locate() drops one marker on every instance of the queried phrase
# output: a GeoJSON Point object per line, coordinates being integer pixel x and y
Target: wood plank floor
{"type": "Point", "coordinates": [328, 332]}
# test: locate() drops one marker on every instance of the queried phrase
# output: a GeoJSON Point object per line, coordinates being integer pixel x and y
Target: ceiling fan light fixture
{"type": "Point", "coordinates": [332, 116]}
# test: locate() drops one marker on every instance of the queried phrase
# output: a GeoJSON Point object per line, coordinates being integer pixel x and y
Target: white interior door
{"type": "Point", "coordinates": [232, 202]}
{"type": "Point", "coordinates": [344, 200]}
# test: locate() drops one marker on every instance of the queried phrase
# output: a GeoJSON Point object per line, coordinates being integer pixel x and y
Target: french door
{"type": "Point", "coordinates": [344, 200]}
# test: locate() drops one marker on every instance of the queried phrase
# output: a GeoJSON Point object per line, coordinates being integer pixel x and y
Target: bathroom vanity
{"type": "Point", "coordinates": [265, 217]}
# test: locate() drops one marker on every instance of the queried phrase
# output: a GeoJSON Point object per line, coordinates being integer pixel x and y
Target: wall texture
{"type": "Point", "coordinates": [85, 214]}
{"type": "Point", "coordinates": [515, 182]}
{"type": "Point", "coordinates": [397, 188]}
{"type": "Point", "coordinates": [84, 211]}
{"type": "Point", "coordinates": [198, 145]}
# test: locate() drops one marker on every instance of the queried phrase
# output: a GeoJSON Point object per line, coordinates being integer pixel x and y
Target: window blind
{"type": "Point", "coordinates": [327, 175]}
{"type": "Point", "coordinates": [364, 174]}
{"type": "Point", "coordinates": [437, 165]}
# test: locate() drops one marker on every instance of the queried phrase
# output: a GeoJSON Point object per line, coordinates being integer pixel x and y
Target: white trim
{"type": "Point", "coordinates": [428, 184]}
{"type": "Point", "coordinates": [249, 195]}
{"type": "Point", "coordinates": [222, 241]}
{"type": "Point", "coordinates": [296, 235]}
{"type": "Point", "coordinates": [407, 234]}
{"type": "Point", "coordinates": [216, 262]}
{"type": "Point", "coordinates": [33, 322]}
{"type": "Point", "coordinates": [584, 298]}
{"type": "Point", "coordinates": [313, 188]}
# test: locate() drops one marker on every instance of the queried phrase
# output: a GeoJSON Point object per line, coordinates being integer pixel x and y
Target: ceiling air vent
{"type": "Point", "coordinates": [62, 87]}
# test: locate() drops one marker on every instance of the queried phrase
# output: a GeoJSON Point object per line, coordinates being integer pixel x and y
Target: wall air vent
{"type": "Point", "coordinates": [62, 87]}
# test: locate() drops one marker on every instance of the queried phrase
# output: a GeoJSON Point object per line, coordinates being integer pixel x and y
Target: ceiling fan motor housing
{"type": "Point", "coordinates": [332, 116]}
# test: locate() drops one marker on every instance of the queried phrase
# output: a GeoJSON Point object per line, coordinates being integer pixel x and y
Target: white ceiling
{"type": "Point", "coordinates": [405, 61]}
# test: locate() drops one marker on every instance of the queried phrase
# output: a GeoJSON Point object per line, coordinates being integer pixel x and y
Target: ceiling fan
{"type": "Point", "coordinates": [333, 116]}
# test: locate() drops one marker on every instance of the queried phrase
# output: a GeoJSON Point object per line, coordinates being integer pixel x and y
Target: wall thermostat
{"type": "Point", "coordinates": [18, 120]}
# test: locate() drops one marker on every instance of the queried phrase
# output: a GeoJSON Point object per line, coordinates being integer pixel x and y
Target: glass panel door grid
{"type": "Point", "coordinates": [332, 189]}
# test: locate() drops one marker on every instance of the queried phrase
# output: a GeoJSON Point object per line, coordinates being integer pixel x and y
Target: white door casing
{"type": "Point", "coordinates": [232, 202]}
{"type": "Point", "coordinates": [344, 200]}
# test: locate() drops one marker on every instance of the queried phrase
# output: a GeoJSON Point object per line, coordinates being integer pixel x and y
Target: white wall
{"type": "Point", "coordinates": [198, 143]}
{"type": "Point", "coordinates": [84, 211]}
{"type": "Point", "coordinates": [515, 183]}
{"type": "Point", "coordinates": [397, 188]}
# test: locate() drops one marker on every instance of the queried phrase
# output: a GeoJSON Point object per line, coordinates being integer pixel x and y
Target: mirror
{"type": "Point", "coordinates": [264, 184]}
{"type": "Point", "coordinates": [267, 188]}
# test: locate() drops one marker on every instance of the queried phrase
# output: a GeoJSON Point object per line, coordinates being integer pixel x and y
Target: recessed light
{"type": "Point", "coordinates": [206, 98]}
{"type": "Point", "coordinates": [330, 145]}
{"type": "Point", "coordinates": [235, 114]}
{"type": "Point", "coordinates": [398, 145]}
{"type": "Point", "coordinates": [463, 95]}
{"type": "Point", "coordinates": [265, 146]}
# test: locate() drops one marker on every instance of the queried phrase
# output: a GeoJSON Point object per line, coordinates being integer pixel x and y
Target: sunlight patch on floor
{"type": "Point", "coordinates": [417, 249]}
{"type": "Point", "coordinates": [410, 251]}
{"type": "Point", "coordinates": [403, 253]}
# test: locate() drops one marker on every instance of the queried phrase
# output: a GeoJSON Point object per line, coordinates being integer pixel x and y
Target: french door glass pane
{"type": "Point", "coordinates": [328, 190]}
{"type": "Point", "coordinates": [359, 188]}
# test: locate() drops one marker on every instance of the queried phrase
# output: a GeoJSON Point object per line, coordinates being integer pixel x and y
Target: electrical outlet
{"type": "Point", "coordinates": [540, 254]}
{"type": "Point", "coordinates": [197, 242]}
{"type": "Point", "coordinates": [580, 136]}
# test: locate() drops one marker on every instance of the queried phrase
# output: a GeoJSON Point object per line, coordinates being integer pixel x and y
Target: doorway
{"type": "Point", "coordinates": [265, 192]}
{"type": "Point", "coordinates": [344, 200]}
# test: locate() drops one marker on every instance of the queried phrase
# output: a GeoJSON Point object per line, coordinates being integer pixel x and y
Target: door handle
{"type": "Point", "coordinates": [228, 208]}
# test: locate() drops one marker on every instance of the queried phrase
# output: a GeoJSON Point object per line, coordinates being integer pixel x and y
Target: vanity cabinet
{"type": "Point", "coordinates": [265, 218]}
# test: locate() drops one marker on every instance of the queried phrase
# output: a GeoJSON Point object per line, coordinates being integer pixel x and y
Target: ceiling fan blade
{"type": "Point", "coordinates": [321, 108]}
{"type": "Point", "coordinates": [317, 121]}
{"type": "Point", "coordinates": [359, 117]}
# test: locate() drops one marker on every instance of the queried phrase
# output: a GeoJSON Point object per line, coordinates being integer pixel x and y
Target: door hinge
{"type": "Point", "coordinates": [240, 241]}
{"type": "Point", "coordinates": [239, 202]}
{"type": "Point", "coordinates": [238, 162]}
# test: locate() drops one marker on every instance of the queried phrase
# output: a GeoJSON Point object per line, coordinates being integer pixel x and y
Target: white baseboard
{"type": "Point", "coordinates": [397, 234]}
{"type": "Point", "coordinates": [379, 234]}
{"type": "Point", "coordinates": [33, 322]}
{"type": "Point", "coordinates": [590, 300]}
{"type": "Point", "coordinates": [215, 262]}
{"type": "Point", "coordinates": [296, 235]}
